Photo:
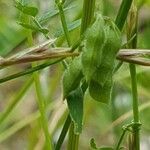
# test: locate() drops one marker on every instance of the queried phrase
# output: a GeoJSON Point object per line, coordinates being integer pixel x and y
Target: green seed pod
{"type": "Point", "coordinates": [109, 50]}
{"type": "Point", "coordinates": [101, 93]}
{"type": "Point", "coordinates": [92, 52]}
{"type": "Point", "coordinates": [72, 76]}
{"type": "Point", "coordinates": [103, 41]}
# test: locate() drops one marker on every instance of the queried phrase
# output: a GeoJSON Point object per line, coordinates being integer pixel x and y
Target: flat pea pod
{"type": "Point", "coordinates": [92, 51]}
{"type": "Point", "coordinates": [103, 41]}
{"type": "Point", "coordinates": [109, 50]}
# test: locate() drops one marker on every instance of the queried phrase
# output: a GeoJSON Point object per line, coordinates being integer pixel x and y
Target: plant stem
{"type": "Point", "coordinates": [123, 13]}
{"type": "Point", "coordinates": [29, 71]}
{"type": "Point", "coordinates": [87, 17]}
{"type": "Point", "coordinates": [121, 19]}
{"type": "Point", "coordinates": [131, 30]}
{"type": "Point", "coordinates": [66, 32]}
{"type": "Point", "coordinates": [73, 139]}
{"type": "Point", "coordinates": [40, 100]}
{"type": "Point", "coordinates": [120, 140]}
{"type": "Point", "coordinates": [64, 25]}
{"type": "Point", "coordinates": [136, 135]}
{"type": "Point", "coordinates": [37, 57]}
{"type": "Point", "coordinates": [88, 14]}
{"type": "Point", "coordinates": [134, 92]}
{"type": "Point", "coordinates": [42, 108]}
{"type": "Point", "coordinates": [63, 133]}
{"type": "Point", "coordinates": [63, 21]}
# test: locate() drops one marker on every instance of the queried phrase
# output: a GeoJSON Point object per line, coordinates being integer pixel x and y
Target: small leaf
{"type": "Point", "coordinates": [72, 76]}
{"type": "Point", "coordinates": [94, 147]}
{"type": "Point", "coordinates": [34, 28]}
{"type": "Point", "coordinates": [28, 26]}
{"type": "Point", "coordinates": [99, 92]}
{"type": "Point", "coordinates": [32, 11]}
{"type": "Point", "coordinates": [38, 25]}
{"type": "Point", "coordinates": [75, 105]}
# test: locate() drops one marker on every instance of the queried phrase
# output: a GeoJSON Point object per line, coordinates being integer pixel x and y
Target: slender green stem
{"type": "Point", "coordinates": [40, 100]}
{"type": "Point", "coordinates": [70, 137]}
{"type": "Point", "coordinates": [120, 140]}
{"type": "Point", "coordinates": [63, 133]}
{"type": "Point", "coordinates": [40, 26]}
{"type": "Point", "coordinates": [87, 18]}
{"type": "Point", "coordinates": [136, 135]}
{"type": "Point", "coordinates": [87, 15]}
{"type": "Point", "coordinates": [42, 108]}
{"type": "Point", "coordinates": [15, 101]}
{"type": "Point", "coordinates": [29, 71]}
{"type": "Point", "coordinates": [64, 25]}
{"type": "Point", "coordinates": [134, 92]}
{"type": "Point", "coordinates": [63, 21]}
{"type": "Point", "coordinates": [132, 29]}
{"type": "Point", "coordinates": [66, 32]}
{"type": "Point", "coordinates": [121, 19]}
{"type": "Point", "coordinates": [73, 141]}
{"type": "Point", "coordinates": [123, 13]}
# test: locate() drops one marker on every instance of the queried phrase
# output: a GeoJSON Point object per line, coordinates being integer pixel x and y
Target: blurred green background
{"type": "Point", "coordinates": [21, 130]}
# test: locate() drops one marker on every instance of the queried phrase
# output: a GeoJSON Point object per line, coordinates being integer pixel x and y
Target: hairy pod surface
{"type": "Point", "coordinates": [92, 52]}
{"type": "Point", "coordinates": [102, 42]}
{"type": "Point", "coordinates": [72, 76]}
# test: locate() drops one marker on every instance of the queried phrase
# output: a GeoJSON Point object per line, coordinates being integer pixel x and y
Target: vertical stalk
{"type": "Point", "coordinates": [63, 133]}
{"type": "Point", "coordinates": [132, 30]}
{"type": "Point", "coordinates": [40, 99]}
{"type": "Point", "coordinates": [87, 15]}
{"type": "Point", "coordinates": [42, 108]}
{"type": "Point", "coordinates": [73, 139]}
{"type": "Point", "coordinates": [63, 21]}
{"type": "Point", "coordinates": [123, 13]}
{"type": "Point", "coordinates": [136, 138]}
{"type": "Point", "coordinates": [120, 140]}
{"type": "Point", "coordinates": [66, 126]}
{"type": "Point", "coordinates": [120, 21]}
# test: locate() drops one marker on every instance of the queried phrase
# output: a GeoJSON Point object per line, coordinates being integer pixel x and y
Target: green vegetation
{"type": "Point", "coordinates": [84, 59]}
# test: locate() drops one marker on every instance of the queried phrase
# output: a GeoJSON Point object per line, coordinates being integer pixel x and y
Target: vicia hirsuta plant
{"type": "Point", "coordinates": [91, 69]}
